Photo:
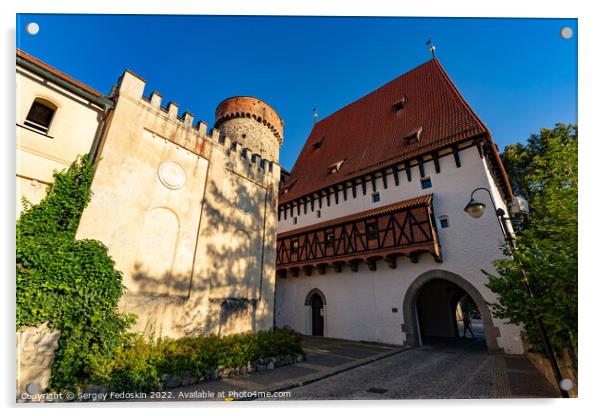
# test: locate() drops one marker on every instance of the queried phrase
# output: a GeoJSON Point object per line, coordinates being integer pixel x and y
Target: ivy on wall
{"type": "Point", "coordinates": [70, 284]}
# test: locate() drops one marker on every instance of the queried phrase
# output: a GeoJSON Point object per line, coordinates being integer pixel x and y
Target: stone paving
{"type": "Point", "coordinates": [345, 370]}
{"type": "Point", "coordinates": [325, 357]}
{"type": "Point", "coordinates": [455, 369]}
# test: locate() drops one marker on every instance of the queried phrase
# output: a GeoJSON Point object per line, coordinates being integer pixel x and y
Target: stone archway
{"type": "Point", "coordinates": [411, 327]}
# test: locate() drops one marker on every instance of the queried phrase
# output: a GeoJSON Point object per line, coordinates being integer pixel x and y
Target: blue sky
{"type": "Point", "coordinates": [519, 75]}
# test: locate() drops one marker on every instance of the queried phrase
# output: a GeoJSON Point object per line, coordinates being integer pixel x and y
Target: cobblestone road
{"type": "Point", "coordinates": [458, 369]}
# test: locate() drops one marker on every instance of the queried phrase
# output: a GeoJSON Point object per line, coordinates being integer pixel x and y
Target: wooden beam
{"type": "Point", "coordinates": [345, 191]}
{"type": "Point", "coordinates": [396, 175]}
{"type": "Point", "coordinates": [435, 157]}
{"type": "Point", "coordinates": [282, 274]}
{"type": "Point", "coordinates": [354, 264]}
{"type": "Point", "coordinates": [456, 156]}
{"type": "Point", "coordinates": [420, 166]}
{"type": "Point", "coordinates": [413, 257]}
{"type": "Point", "coordinates": [371, 264]}
{"type": "Point", "coordinates": [391, 261]}
{"type": "Point", "coordinates": [364, 185]}
{"type": "Point", "coordinates": [338, 267]}
{"type": "Point", "coordinates": [408, 169]}
{"type": "Point", "coordinates": [373, 180]}
{"type": "Point", "coordinates": [305, 206]}
{"type": "Point", "coordinates": [322, 268]}
{"type": "Point", "coordinates": [336, 195]}
{"type": "Point", "coordinates": [353, 189]}
{"type": "Point", "coordinates": [384, 173]}
{"type": "Point", "coordinates": [328, 197]}
{"type": "Point", "coordinates": [295, 272]}
{"type": "Point", "coordinates": [307, 270]}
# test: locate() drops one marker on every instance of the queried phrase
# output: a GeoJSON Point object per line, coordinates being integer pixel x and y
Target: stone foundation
{"type": "Point", "coordinates": [35, 354]}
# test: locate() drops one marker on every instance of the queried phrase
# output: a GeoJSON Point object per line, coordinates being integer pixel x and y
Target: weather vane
{"type": "Point", "coordinates": [315, 114]}
{"type": "Point", "coordinates": [431, 46]}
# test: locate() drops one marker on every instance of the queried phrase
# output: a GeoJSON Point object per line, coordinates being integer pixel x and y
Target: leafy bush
{"type": "Point", "coordinates": [70, 284]}
{"type": "Point", "coordinates": [546, 171]}
{"type": "Point", "coordinates": [139, 366]}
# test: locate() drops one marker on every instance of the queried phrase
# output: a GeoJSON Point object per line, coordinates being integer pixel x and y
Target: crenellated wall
{"type": "Point", "coordinates": [189, 217]}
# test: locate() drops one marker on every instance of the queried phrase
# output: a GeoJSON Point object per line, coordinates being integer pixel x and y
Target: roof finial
{"type": "Point", "coordinates": [315, 114]}
{"type": "Point", "coordinates": [431, 46]}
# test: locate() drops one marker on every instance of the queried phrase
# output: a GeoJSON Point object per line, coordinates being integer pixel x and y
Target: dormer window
{"type": "Point", "coordinates": [335, 167]}
{"type": "Point", "coordinates": [413, 137]}
{"type": "Point", "coordinates": [318, 143]}
{"type": "Point", "coordinates": [40, 115]}
{"type": "Point", "coordinates": [399, 105]}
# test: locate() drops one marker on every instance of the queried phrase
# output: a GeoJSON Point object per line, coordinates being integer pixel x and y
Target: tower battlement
{"type": "Point", "coordinates": [195, 136]}
{"type": "Point", "coordinates": [250, 107]}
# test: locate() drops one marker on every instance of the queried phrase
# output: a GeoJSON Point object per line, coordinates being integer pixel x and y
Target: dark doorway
{"type": "Point", "coordinates": [447, 315]}
{"type": "Point", "coordinates": [317, 315]}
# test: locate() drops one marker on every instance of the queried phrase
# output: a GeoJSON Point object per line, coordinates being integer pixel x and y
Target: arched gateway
{"type": "Point", "coordinates": [316, 300]}
{"type": "Point", "coordinates": [422, 308]}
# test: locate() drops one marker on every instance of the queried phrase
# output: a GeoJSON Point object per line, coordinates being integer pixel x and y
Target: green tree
{"type": "Point", "coordinates": [70, 284]}
{"type": "Point", "coordinates": [545, 171]}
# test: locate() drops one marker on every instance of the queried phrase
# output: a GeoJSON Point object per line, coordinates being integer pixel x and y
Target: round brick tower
{"type": "Point", "coordinates": [252, 124]}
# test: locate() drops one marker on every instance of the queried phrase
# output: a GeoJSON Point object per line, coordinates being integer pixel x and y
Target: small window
{"type": "Point", "coordinates": [413, 137]}
{"type": "Point", "coordinates": [426, 183]}
{"type": "Point", "coordinates": [294, 220]}
{"type": "Point", "coordinates": [294, 246]}
{"type": "Point", "coordinates": [375, 197]}
{"type": "Point", "coordinates": [329, 238]}
{"type": "Point", "coordinates": [318, 213]}
{"type": "Point", "coordinates": [399, 105]}
{"type": "Point", "coordinates": [318, 143]}
{"type": "Point", "coordinates": [40, 115]}
{"type": "Point", "coordinates": [372, 231]}
{"type": "Point", "coordinates": [335, 167]}
{"type": "Point", "coordinates": [444, 221]}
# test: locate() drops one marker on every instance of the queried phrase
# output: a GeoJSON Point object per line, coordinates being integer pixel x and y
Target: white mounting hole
{"type": "Point", "coordinates": [566, 32]}
{"type": "Point", "coordinates": [566, 384]}
{"type": "Point", "coordinates": [32, 28]}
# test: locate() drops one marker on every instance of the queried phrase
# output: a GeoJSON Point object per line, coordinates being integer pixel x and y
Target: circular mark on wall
{"type": "Point", "coordinates": [171, 175]}
{"type": "Point", "coordinates": [32, 28]}
{"type": "Point", "coordinates": [566, 32]}
{"type": "Point", "coordinates": [243, 203]}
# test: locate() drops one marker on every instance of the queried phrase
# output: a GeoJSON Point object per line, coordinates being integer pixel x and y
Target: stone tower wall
{"type": "Point", "coordinates": [252, 123]}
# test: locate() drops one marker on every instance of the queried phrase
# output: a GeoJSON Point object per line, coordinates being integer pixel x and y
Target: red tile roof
{"type": "Point", "coordinates": [62, 75]}
{"type": "Point", "coordinates": [368, 134]}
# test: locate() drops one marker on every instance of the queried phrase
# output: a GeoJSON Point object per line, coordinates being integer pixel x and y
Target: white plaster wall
{"type": "Point", "coordinates": [71, 133]}
{"type": "Point", "coordinates": [360, 304]}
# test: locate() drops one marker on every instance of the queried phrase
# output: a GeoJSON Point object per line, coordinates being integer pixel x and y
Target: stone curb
{"type": "Point", "coordinates": [322, 375]}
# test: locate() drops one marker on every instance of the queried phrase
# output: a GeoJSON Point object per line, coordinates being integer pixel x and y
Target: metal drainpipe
{"type": "Point", "coordinates": [98, 136]}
